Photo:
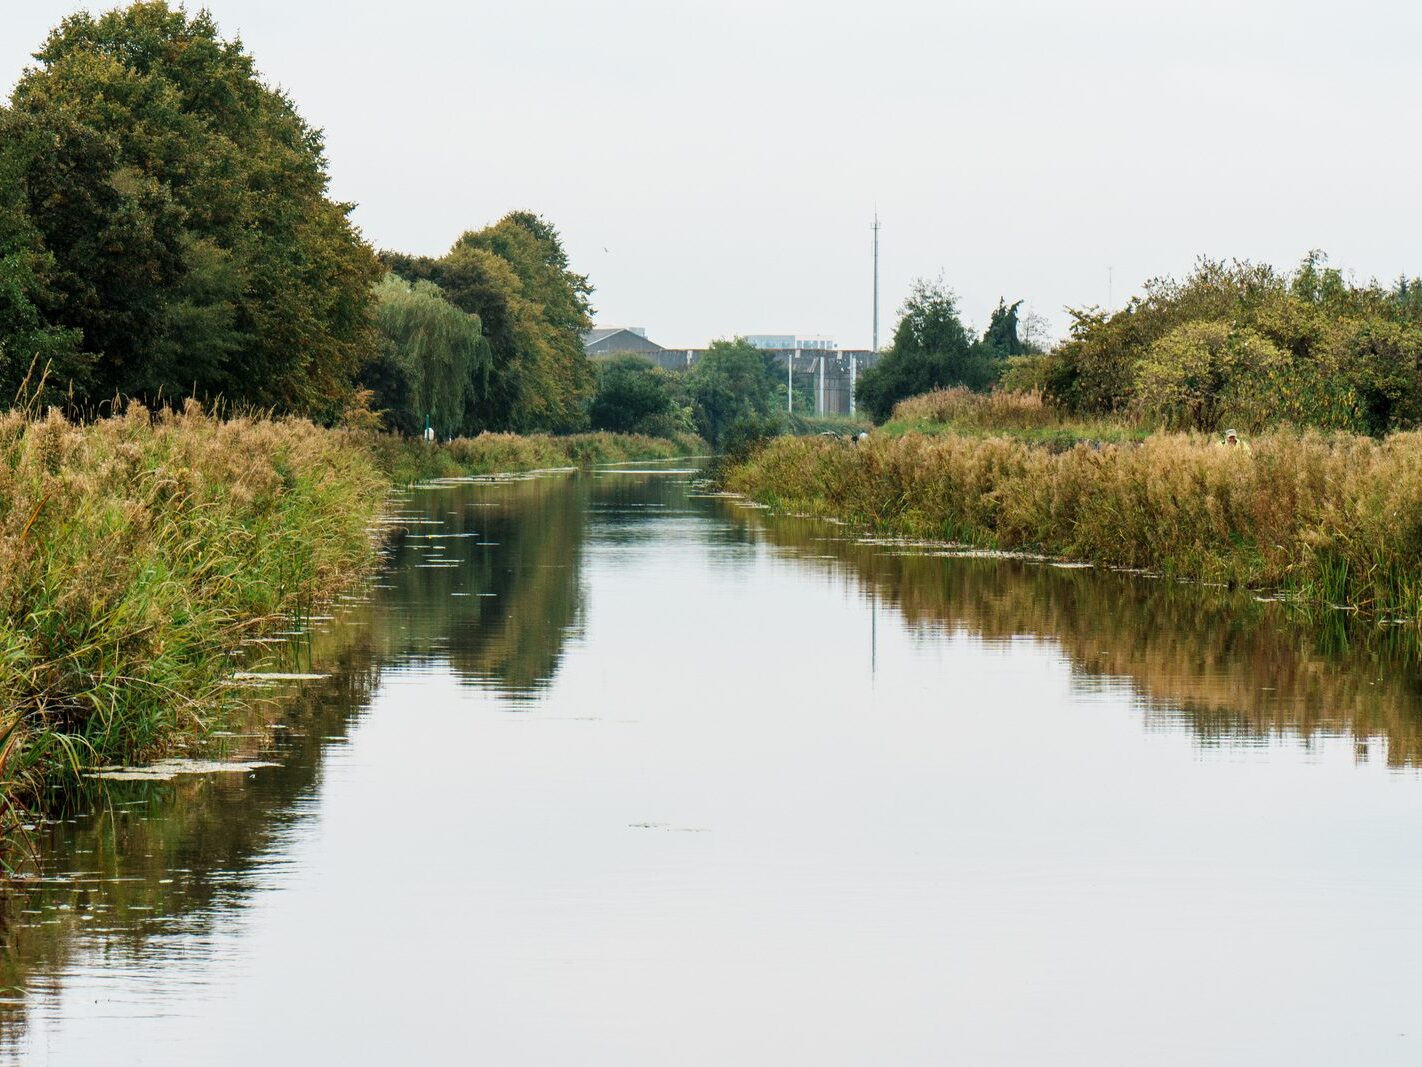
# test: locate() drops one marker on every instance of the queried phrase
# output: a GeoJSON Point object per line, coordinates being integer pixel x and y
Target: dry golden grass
{"type": "Point", "coordinates": [994, 410]}
{"type": "Point", "coordinates": [1335, 519]}
{"type": "Point", "coordinates": [136, 551]}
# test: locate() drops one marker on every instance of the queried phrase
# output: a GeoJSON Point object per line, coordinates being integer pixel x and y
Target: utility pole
{"type": "Point", "coordinates": [876, 279]}
{"type": "Point", "coordinates": [853, 367]}
{"type": "Point", "coordinates": [1110, 288]}
{"type": "Point", "coordinates": [790, 381]}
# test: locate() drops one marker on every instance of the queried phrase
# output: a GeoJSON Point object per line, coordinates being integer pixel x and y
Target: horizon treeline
{"type": "Point", "coordinates": [166, 231]}
{"type": "Point", "coordinates": [1243, 344]}
{"type": "Point", "coordinates": [1233, 344]}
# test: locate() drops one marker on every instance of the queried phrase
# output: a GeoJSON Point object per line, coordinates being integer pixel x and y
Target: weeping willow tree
{"type": "Point", "coordinates": [434, 363]}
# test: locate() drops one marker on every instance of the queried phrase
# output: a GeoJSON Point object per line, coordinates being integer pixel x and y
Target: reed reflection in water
{"type": "Point", "coordinates": [607, 770]}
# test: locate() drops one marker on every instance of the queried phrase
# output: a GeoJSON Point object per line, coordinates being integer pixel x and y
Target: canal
{"type": "Point", "coordinates": [606, 769]}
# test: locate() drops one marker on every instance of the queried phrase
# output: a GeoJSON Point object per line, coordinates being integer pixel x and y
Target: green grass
{"type": "Point", "coordinates": [1331, 519]}
{"type": "Point", "coordinates": [138, 552]}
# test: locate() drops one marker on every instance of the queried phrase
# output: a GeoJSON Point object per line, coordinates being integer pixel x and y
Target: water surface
{"type": "Point", "coordinates": [607, 770]}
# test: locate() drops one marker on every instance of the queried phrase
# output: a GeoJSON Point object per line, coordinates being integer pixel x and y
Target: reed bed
{"type": "Point", "coordinates": [407, 460]}
{"type": "Point", "coordinates": [1026, 415]}
{"type": "Point", "coordinates": [1329, 519]}
{"type": "Point", "coordinates": [995, 410]}
{"type": "Point", "coordinates": [136, 553]}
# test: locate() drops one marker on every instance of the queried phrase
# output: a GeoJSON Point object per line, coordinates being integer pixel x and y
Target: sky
{"type": "Point", "coordinates": [714, 166]}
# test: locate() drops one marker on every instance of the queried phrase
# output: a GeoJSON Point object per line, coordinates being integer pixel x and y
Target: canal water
{"type": "Point", "coordinates": [605, 769]}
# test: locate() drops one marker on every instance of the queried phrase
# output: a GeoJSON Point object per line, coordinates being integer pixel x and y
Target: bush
{"type": "Point", "coordinates": [1240, 343]}
{"type": "Point", "coordinates": [633, 396]}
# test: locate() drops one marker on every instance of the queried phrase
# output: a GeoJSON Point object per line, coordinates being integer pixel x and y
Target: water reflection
{"type": "Point", "coordinates": [1231, 666]}
{"type": "Point", "coordinates": [506, 590]}
{"type": "Point", "coordinates": [482, 579]}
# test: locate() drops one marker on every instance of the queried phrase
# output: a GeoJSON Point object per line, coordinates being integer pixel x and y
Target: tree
{"type": "Point", "coordinates": [1338, 355]}
{"type": "Point", "coordinates": [733, 382]}
{"type": "Point", "coordinates": [633, 396]}
{"type": "Point", "coordinates": [32, 349]}
{"type": "Point", "coordinates": [549, 313]}
{"type": "Point", "coordinates": [932, 349]}
{"type": "Point", "coordinates": [1001, 336]}
{"type": "Point", "coordinates": [1200, 370]}
{"type": "Point", "coordinates": [180, 218]}
{"type": "Point", "coordinates": [534, 309]}
{"type": "Point", "coordinates": [433, 366]}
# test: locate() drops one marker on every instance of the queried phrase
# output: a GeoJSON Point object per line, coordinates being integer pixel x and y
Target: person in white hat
{"type": "Point", "coordinates": [1233, 440]}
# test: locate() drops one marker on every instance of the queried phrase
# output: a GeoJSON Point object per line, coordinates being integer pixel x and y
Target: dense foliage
{"type": "Point", "coordinates": [733, 387]}
{"type": "Point", "coordinates": [165, 232]}
{"type": "Point", "coordinates": [633, 396]}
{"type": "Point", "coordinates": [932, 349]}
{"type": "Point", "coordinates": [1334, 519]}
{"type": "Point", "coordinates": [1242, 344]}
{"type": "Point", "coordinates": [165, 228]}
{"type": "Point", "coordinates": [433, 366]}
{"type": "Point", "coordinates": [534, 310]}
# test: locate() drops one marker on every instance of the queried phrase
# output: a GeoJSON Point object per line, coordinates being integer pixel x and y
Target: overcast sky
{"type": "Point", "coordinates": [714, 166]}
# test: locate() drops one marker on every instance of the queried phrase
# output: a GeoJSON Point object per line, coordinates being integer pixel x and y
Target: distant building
{"type": "Point", "coordinates": [789, 342]}
{"type": "Point", "coordinates": [615, 340]}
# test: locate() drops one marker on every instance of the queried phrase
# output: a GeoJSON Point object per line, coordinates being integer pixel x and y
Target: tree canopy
{"type": "Point", "coordinates": [734, 382]}
{"type": "Point", "coordinates": [434, 361]}
{"type": "Point", "coordinates": [514, 276]}
{"type": "Point", "coordinates": [166, 226]}
{"type": "Point", "coordinates": [932, 349]}
{"type": "Point", "coordinates": [1244, 344]}
{"type": "Point", "coordinates": [633, 396]}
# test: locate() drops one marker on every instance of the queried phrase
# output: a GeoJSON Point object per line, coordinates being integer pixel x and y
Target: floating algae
{"type": "Point", "coordinates": [277, 676]}
{"type": "Point", "coordinates": [168, 769]}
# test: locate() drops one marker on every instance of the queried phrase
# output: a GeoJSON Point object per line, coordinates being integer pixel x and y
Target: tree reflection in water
{"type": "Point", "coordinates": [1231, 666]}
{"type": "Point", "coordinates": [494, 594]}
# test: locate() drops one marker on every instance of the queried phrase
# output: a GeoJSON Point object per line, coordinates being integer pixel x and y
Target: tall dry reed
{"type": "Point", "coordinates": [1334, 519]}
{"type": "Point", "coordinates": [136, 552]}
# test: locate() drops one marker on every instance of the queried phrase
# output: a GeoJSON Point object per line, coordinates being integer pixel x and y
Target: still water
{"type": "Point", "coordinates": [604, 770]}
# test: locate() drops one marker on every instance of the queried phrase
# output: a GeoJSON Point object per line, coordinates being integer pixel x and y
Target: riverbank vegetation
{"type": "Point", "coordinates": [933, 349]}
{"type": "Point", "coordinates": [1234, 344]}
{"type": "Point", "coordinates": [1107, 448]}
{"type": "Point", "coordinates": [408, 461]}
{"type": "Point", "coordinates": [1328, 519]}
{"type": "Point", "coordinates": [139, 554]}
{"type": "Point", "coordinates": [1244, 345]}
{"type": "Point", "coordinates": [1025, 416]}
{"type": "Point", "coordinates": [168, 245]}
{"type": "Point", "coordinates": [136, 553]}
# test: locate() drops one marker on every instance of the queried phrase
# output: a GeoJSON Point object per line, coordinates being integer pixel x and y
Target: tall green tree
{"type": "Point", "coordinates": [931, 349]}
{"type": "Point", "coordinates": [633, 396]}
{"type": "Point", "coordinates": [181, 221]}
{"type": "Point", "coordinates": [434, 361]}
{"type": "Point", "coordinates": [32, 349]}
{"type": "Point", "coordinates": [534, 308]}
{"type": "Point", "coordinates": [1001, 335]}
{"type": "Point", "coordinates": [734, 382]}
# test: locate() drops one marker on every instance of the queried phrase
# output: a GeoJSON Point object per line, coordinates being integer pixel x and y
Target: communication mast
{"type": "Point", "coordinates": [876, 280]}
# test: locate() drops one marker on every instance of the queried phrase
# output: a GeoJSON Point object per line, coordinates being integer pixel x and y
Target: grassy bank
{"type": "Point", "coordinates": [1331, 519]}
{"type": "Point", "coordinates": [1027, 417]}
{"type": "Point", "coordinates": [406, 460]}
{"type": "Point", "coordinates": [136, 553]}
